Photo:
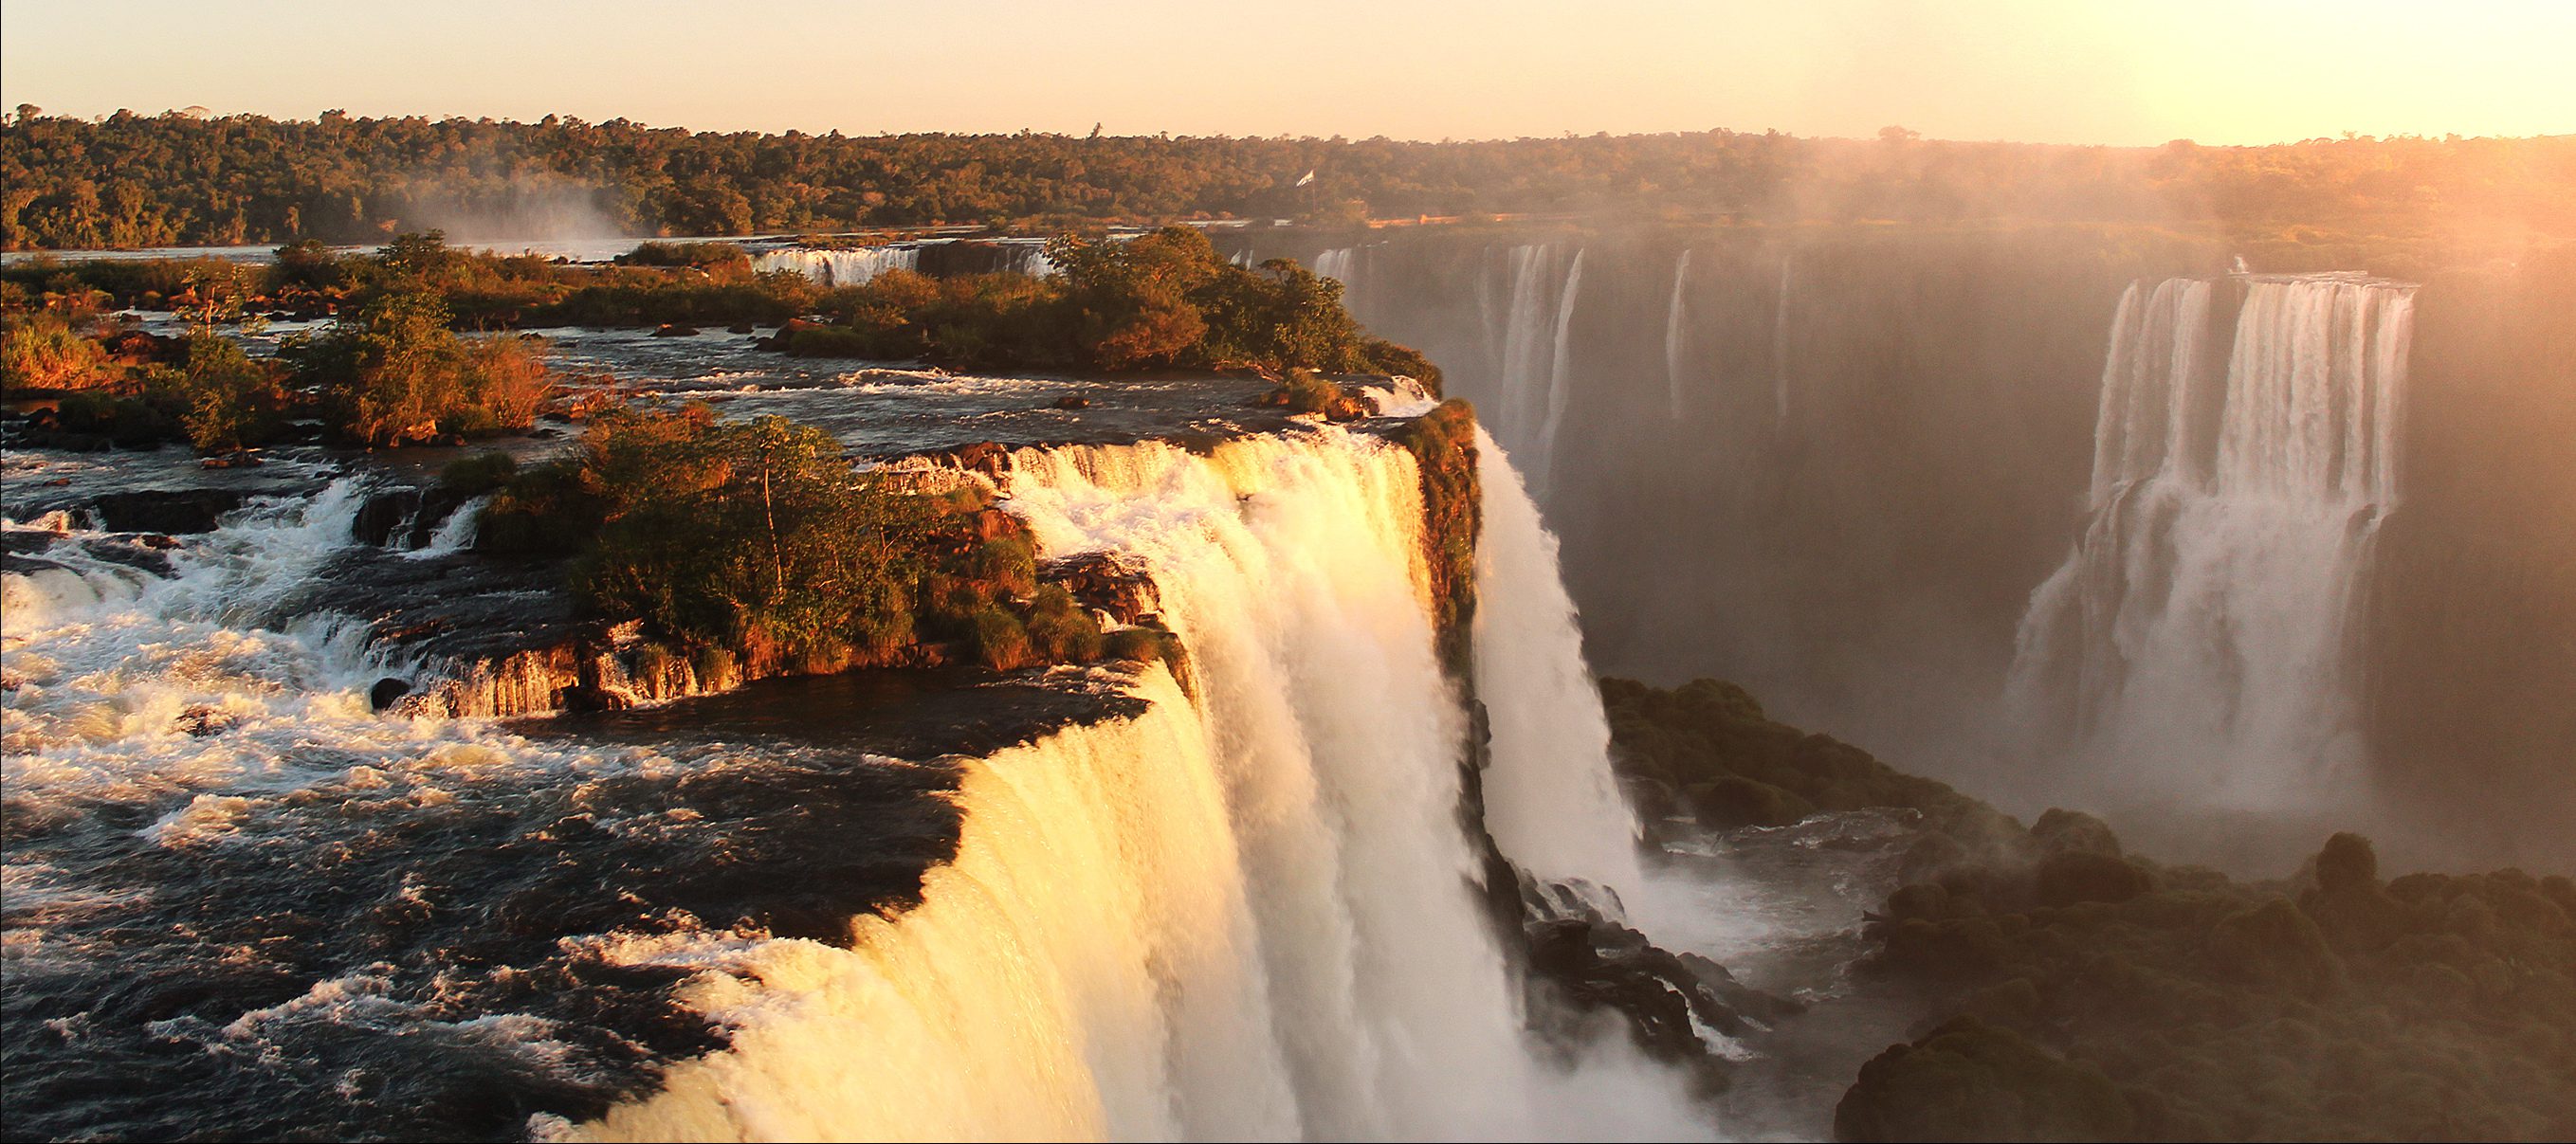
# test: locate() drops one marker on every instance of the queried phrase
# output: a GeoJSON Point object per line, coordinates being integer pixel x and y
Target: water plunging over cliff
{"type": "Point", "coordinates": [1551, 801]}
{"type": "Point", "coordinates": [1526, 322]}
{"type": "Point", "coordinates": [2198, 644]}
{"type": "Point", "coordinates": [1245, 913]}
{"type": "Point", "coordinates": [840, 267]}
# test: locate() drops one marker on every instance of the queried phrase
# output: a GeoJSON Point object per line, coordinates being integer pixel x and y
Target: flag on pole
{"type": "Point", "coordinates": [1306, 178]}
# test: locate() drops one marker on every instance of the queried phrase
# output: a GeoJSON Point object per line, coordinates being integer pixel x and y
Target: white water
{"type": "Point", "coordinates": [113, 662]}
{"type": "Point", "coordinates": [840, 267]}
{"type": "Point", "coordinates": [1780, 347]}
{"type": "Point", "coordinates": [1527, 334]}
{"type": "Point", "coordinates": [2196, 646]}
{"type": "Point", "coordinates": [1245, 914]}
{"type": "Point", "coordinates": [1676, 335]}
{"type": "Point", "coordinates": [1340, 264]}
{"type": "Point", "coordinates": [1551, 801]}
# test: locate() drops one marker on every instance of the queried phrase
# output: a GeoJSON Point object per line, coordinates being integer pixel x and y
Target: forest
{"type": "Point", "coordinates": [131, 180]}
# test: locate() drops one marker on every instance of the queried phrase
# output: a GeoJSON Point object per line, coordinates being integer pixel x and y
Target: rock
{"type": "Point", "coordinates": [1102, 581]}
{"type": "Point", "coordinates": [984, 457]}
{"type": "Point", "coordinates": [2073, 876]}
{"type": "Point", "coordinates": [201, 720]}
{"type": "Point", "coordinates": [177, 511]}
{"type": "Point", "coordinates": [1666, 997]}
{"type": "Point", "coordinates": [2063, 830]}
{"type": "Point", "coordinates": [2274, 946]}
{"type": "Point", "coordinates": [383, 514]}
{"type": "Point", "coordinates": [674, 330]}
{"type": "Point", "coordinates": [2347, 862]}
{"type": "Point", "coordinates": [1968, 1080]}
{"type": "Point", "coordinates": [1733, 800]}
{"type": "Point", "coordinates": [740, 328]}
{"type": "Point", "coordinates": [1072, 401]}
{"type": "Point", "coordinates": [387, 691]}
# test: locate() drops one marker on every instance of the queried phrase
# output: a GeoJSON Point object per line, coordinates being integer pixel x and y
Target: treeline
{"type": "Point", "coordinates": [135, 180]}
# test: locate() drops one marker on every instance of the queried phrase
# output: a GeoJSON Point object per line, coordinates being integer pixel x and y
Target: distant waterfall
{"type": "Point", "coordinates": [1676, 332]}
{"type": "Point", "coordinates": [2197, 643]}
{"type": "Point", "coordinates": [840, 267]}
{"type": "Point", "coordinates": [1244, 914]}
{"type": "Point", "coordinates": [1026, 256]}
{"type": "Point", "coordinates": [1527, 332]}
{"type": "Point", "coordinates": [1780, 346]}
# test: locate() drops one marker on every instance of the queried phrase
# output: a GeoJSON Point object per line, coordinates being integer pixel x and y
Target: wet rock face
{"type": "Point", "coordinates": [1103, 581]}
{"type": "Point", "coordinates": [1667, 997]}
{"type": "Point", "coordinates": [23, 550]}
{"type": "Point", "coordinates": [181, 511]}
{"type": "Point", "coordinates": [405, 517]}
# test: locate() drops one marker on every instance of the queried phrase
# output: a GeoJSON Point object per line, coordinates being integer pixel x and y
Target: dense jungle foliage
{"type": "Point", "coordinates": [2075, 992]}
{"type": "Point", "coordinates": [1161, 300]}
{"type": "Point", "coordinates": [171, 179]}
{"type": "Point", "coordinates": [760, 543]}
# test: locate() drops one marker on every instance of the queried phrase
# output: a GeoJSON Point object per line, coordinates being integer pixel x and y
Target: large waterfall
{"type": "Point", "coordinates": [2198, 643]}
{"type": "Point", "coordinates": [1243, 914]}
{"type": "Point", "coordinates": [1550, 799]}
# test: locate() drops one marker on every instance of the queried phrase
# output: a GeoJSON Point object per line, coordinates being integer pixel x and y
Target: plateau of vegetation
{"type": "Point", "coordinates": [1163, 300]}
{"type": "Point", "coordinates": [756, 548]}
{"type": "Point", "coordinates": [2077, 992]}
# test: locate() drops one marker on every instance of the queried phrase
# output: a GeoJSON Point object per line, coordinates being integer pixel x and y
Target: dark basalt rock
{"type": "Point", "coordinates": [1665, 996]}
{"type": "Point", "coordinates": [24, 551]}
{"type": "Point", "coordinates": [405, 517]}
{"type": "Point", "coordinates": [1971, 1081]}
{"type": "Point", "coordinates": [382, 514]}
{"type": "Point", "coordinates": [201, 720]}
{"type": "Point", "coordinates": [1102, 581]}
{"type": "Point", "coordinates": [386, 691]}
{"type": "Point", "coordinates": [180, 511]}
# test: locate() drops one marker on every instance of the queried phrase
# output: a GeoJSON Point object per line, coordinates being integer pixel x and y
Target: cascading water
{"type": "Point", "coordinates": [1780, 346]}
{"type": "Point", "coordinates": [1243, 914]}
{"type": "Point", "coordinates": [1551, 801]}
{"type": "Point", "coordinates": [1527, 333]}
{"type": "Point", "coordinates": [2196, 646]}
{"type": "Point", "coordinates": [840, 267]}
{"type": "Point", "coordinates": [1676, 332]}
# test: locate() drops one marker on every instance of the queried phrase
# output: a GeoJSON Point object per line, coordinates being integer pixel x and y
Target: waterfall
{"type": "Point", "coordinates": [1551, 801]}
{"type": "Point", "coordinates": [1780, 346]}
{"type": "Point", "coordinates": [1531, 353]}
{"type": "Point", "coordinates": [2198, 642]}
{"type": "Point", "coordinates": [840, 267]}
{"type": "Point", "coordinates": [1026, 256]}
{"type": "Point", "coordinates": [1245, 913]}
{"type": "Point", "coordinates": [1346, 265]}
{"type": "Point", "coordinates": [1674, 333]}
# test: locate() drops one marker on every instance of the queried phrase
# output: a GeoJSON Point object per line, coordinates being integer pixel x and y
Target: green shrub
{"type": "Point", "coordinates": [999, 641]}
{"type": "Point", "coordinates": [39, 350]}
{"type": "Point", "coordinates": [479, 473]}
{"type": "Point", "coordinates": [395, 374]}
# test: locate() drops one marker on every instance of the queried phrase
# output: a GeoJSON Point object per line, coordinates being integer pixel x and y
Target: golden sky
{"type": "Point", "coordinates": [2067, 71]}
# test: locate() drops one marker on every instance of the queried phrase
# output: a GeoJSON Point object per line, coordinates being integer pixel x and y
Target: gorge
{"type": "Point", "coordinates": [385, 832]}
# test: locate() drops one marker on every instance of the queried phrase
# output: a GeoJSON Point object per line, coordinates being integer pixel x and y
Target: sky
{"type": "Point", "coordinates": [2050, 71]}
